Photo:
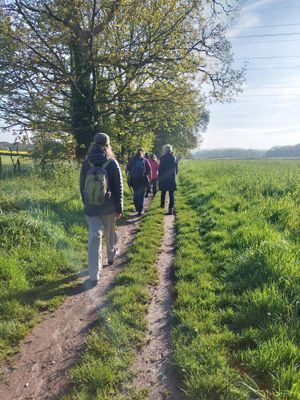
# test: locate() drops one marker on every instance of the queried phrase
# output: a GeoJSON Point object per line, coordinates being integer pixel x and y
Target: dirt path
{"type": "Point", "coordinates": [39, 371]}
{"type": "Point", "coordinates": [152, 367]}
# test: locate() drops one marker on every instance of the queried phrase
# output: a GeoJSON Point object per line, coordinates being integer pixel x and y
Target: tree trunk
{"type": "Point", "coordinates": [83, 111]}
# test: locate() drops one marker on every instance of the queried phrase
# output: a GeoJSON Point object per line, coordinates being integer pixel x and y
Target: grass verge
{"type": "Point", "coordinates": [236, 335]}
{"type": "Point", "coordinates": [111, 346]}
{"type": "Point", "coordinates": [43, 245]}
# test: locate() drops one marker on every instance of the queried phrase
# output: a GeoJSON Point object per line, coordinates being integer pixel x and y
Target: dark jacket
{"type": "Point", "coordinates": [143, 181]}
{"type": "Point", "coordinates": [114, 204]}
{"type": "Point", "coordinates": [167, 171]}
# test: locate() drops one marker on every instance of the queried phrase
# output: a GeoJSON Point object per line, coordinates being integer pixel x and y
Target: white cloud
{"type": "Point", "coordinates": [245, 21]}
{"type": "Point", "coordinates": [284, 104]}
{"type": "Point", "coordinates": [6, 136]}
{"type": "Point", "coordinates": [247, 17]}
{"type": "Point", "coordinates": [258, 4]}
{"type": "Point", "coordinates": [282, 131]}
{"type": "Point", "coordinates": [251, 137]}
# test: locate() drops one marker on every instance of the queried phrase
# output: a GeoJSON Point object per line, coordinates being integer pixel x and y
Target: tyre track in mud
{"type": "Point", "coordinates": [153, 369]}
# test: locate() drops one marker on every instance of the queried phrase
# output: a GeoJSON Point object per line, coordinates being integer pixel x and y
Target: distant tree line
{"type": "Point", "coordinates": [16, 146]}
{"type": "Point", "coordinates": [141, 70]}
{"type": "Point", "coordinates": [284, 151]}
{"type": "Point", "coordinates": [274, 152]}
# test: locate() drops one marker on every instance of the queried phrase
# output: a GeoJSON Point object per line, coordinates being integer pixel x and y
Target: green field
{"type": "Point", "coordinates": [6, 160]}
{"type": "Point", "coordinates": [7, 167]}
{"type": "Point", "coordinates": [237, 313]}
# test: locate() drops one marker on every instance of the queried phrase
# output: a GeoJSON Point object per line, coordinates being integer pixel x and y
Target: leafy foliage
{"type": "Point", "coordinates": [134, 67]}
{"type": "Point", "coordinates": [53, 149]}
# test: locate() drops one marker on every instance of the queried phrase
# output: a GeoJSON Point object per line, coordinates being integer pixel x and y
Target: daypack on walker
{"type": "Point", "coordinates": [96, 185]}
{"type": "Point", "coordinates": [138, 168]}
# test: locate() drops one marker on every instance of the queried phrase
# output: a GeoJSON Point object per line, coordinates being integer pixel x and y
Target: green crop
{"type": "Point", "coordinates": [237, 330]}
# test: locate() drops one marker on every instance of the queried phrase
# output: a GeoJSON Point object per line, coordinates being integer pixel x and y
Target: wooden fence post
{"type": "Point", "coordinates": [18, 165]}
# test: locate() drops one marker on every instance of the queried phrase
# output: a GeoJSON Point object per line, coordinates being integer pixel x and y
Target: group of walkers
{"type": "Point", "coordinates": [145, 172]}
{"type": "Point", "coordinates": [101, 189]}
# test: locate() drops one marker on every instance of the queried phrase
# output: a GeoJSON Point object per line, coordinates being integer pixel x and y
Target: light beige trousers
{"type": "Point", "coordinates": [97, 225]}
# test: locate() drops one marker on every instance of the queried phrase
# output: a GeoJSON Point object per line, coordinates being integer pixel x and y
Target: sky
{"type": "Point", "coordinates": [267, 113]}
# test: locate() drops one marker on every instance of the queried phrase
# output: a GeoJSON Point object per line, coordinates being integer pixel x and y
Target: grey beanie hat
{"type": "Point", "coordinates": [102, 138]}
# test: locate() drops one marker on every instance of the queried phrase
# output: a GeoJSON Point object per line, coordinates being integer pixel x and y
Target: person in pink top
{"type": "Point", "coordinates": [154, 164]}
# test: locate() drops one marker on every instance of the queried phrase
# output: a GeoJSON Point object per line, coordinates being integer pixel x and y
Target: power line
{"type": "Point", "coordinates": [275, 8]}
{"type": "Point", "coordinates": [276, 102]}
{"type": "Point", "coordinates": [254, 100]}
{"type": "Point", "coordinates": [272, 25]}
{"type": "Point", "coordinates": [264, 35]}
{"type": "Point", "coordinates": [273, 87]}
{"type": "Point", "coordinates": [284, 8]}
{"type": "Point", "coordinates": [265, 58]}
{"type": "Point", "coordinates": [272, 95]}
{"type": "Point", "coordinates": [267, 41]}
{"type": "Point", "coordinates": [281, 67]}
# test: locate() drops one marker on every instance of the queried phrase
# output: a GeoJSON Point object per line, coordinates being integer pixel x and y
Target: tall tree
{"type": "Point", "coordinates": [74, 65]}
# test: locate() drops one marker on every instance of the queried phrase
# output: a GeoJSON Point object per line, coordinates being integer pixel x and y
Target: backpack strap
{"type": "Point", "coordinates": [90, 163]}
{"type": "Point", "coordinates": [106, 163]}
{"type": "Point", "coordinates": [103, 165]}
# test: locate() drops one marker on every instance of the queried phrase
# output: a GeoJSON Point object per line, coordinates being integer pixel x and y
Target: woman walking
{"type": "Point", "coordinates": [101, 189]}
{"type": "Point", "coordinates": [154, 164]}
{"type": "Point", "coordinates": [167, 171]}
{"type": "Point", "coordinates": [139, 171]}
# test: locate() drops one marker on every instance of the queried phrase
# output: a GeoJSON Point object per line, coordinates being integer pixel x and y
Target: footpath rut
{"type": "Point", "coordinates": [38, 372]}
{"type": "Point", "coordinates": [153, 368]}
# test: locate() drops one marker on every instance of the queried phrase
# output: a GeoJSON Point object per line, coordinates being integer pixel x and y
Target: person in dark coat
{"type": "Point", "coordinates": [102, 217]}
{"type": "Point", "coordinates": [148, 188]}
{"type": "Point", "coordinates": [139, 172]}
{"type": "Point", "coordinates": [167, 171]}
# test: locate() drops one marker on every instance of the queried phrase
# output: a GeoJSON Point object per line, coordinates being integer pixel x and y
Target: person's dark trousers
{"type": "Point", "coordinates": [148, 189]}
{"type": "Point", "coordinates": [138, 198]}
{"type": "Point", "coordinates": [163, 199]}
{"type": "Point", "coordinates": [172, 201]}
{"type": "Point", "coordinates": [154, 186]}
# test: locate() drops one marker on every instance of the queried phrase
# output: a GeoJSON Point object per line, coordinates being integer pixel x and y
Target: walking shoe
{"type": "Point", "coordinates": [94, 281]}
{"type": "Point", "coordinates": [110, 262]}
{"type": "Point", "coordinates": [171, 211]}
